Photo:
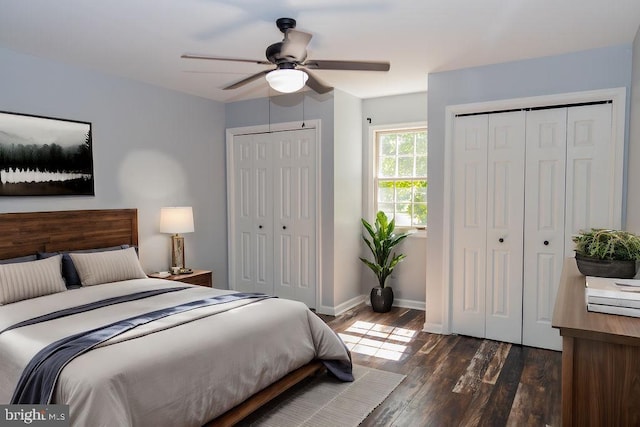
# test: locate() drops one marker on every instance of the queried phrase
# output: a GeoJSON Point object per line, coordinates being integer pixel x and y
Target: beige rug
{"type": "Point", "coordinates": [325, 401]}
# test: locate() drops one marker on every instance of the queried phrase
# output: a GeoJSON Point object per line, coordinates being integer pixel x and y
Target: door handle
{"type": "Point", "coordinates": [259, 226]}
{"type": "Point", "coordinates": [501, 240]}
{"type": "Point", "coordinates": [546, 243]}
{"type": "Point", "coordinates": [284, 227]}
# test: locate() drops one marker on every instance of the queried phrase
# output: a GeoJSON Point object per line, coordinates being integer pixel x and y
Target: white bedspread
{"type": "Point", "coordinates": [183, 370]}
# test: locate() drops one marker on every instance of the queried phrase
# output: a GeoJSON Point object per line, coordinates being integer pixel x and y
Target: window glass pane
{"type": "Point", "coordinates": [421, 143]}
{"type": "Point", "coordinates": [387, 167]}
{"type": "Point", "coordinates": [406, 144]}
{"type": "Point", "coordinates": [403, 214]}
{"type": "Point", "coordinates": [420, 214]}
{"type": "Point", "coordinates": [385, 191]}
{"type": "Point", "coordinates": [403, 191]}
{"type": "Point", "coordinates": [421, 166]}
{"type": "Point", "coordinates": [402, 157]}
{"type": "Point", "coordinates": [388, 144]}
{"type": "Point", "coordinates": [387, 208]}
{"type": "Point", "coordinates": [420, 191]}
{"type": "Point", "coordinates": [405, 166]}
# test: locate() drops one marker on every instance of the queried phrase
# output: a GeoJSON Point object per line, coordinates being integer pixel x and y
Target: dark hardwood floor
{"type": "Point", "coordinates": [451, 380]}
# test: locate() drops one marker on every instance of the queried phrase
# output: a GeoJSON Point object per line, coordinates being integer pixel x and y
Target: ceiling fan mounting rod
{"type": "Point", "coordinates": [285, 24]}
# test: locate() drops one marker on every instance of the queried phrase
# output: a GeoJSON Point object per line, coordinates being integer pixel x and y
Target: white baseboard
{"type": "Point", "coordinates": [409, 303]}
{"type": "Point", "coordinates": [404, 303]}
{"type": "Point", "coordinates": [341, 308]}
{"type": "Point", "coordinates": [434, 328]}
{"type": "Point", "coordinates": [348, 305]}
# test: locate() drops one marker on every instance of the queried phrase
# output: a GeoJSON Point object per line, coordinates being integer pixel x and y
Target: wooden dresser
{"type": "Point", "coordinates": [600, 359]}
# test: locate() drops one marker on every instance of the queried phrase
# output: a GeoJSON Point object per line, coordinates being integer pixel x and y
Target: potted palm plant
{"type": "Point", "coordinates": [381, 239]}
{"type": "Point", "coordinates": [607, 253]}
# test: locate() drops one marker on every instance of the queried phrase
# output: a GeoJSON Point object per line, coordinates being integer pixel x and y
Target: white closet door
{"type": "Point", "coordinates": [253, 206]}
{"type": "Point", "coordinates": [469, 225]}
{"type": "Point", "coordinates": [591, 160]}
{"type": "Point", "coordinates": [505, 212]}
{"type": "Point", "coordinates": [544, 223]}
{"type": "Point", "coordinates": [295, 210]}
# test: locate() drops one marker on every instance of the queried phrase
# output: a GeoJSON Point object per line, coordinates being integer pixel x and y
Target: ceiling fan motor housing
{"type": "Point", "coordinates": [273, 52]}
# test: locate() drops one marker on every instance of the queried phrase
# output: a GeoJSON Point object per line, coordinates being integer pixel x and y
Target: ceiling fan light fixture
{"type": "Point", "coordinates": [287, 80]}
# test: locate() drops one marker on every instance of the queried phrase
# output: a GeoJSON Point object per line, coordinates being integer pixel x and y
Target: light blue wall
{"type": "Point", "coordinates": [151, 148]}
{"type": "Point", "coordinates": [388, 110]}
{"type": "Point", "coordinates": [347, 195]}
{"type": "Point", "coordinates": [633, 173]}
{"type": "Point", "coordinates": [408, 279]}
{"type": "Point", "coordinates": [580, 71]}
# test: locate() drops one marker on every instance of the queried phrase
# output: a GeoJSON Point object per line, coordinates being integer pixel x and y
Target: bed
{"type": "Point", "coordinates": [217, 361]}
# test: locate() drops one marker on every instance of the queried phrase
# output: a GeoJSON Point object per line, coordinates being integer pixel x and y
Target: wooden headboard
{"type": "Point", "coordinates": [31, 232]}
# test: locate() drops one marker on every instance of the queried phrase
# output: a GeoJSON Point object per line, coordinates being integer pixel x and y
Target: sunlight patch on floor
{"type": "Point", "coordinates": [375, 339]}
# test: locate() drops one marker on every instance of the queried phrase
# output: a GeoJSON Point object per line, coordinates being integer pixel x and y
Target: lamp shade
{"type": "Point", "coordinates": [176, 220]}
{"type": "Point", "coordinates": [287, 80]}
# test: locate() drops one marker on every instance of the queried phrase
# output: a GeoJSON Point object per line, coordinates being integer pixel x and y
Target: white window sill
{"type": "Point", "coordinates": [413, 232]}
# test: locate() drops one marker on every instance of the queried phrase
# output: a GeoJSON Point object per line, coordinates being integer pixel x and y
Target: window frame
{"type": "Point", "coordinates": [372, 198]}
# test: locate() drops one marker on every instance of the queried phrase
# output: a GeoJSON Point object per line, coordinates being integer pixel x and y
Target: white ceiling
{"type": "Point", "coordinates": [143, 39]}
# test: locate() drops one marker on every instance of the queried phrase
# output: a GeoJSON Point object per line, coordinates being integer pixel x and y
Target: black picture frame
{"type": "Point", "coordinates": [45, 156]}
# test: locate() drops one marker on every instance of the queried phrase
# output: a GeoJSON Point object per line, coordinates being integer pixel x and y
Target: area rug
{"type": "Point", "coordinates": [324, 401]}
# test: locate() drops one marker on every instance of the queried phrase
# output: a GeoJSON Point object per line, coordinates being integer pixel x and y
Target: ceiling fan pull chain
{"type": "Point", "coordinates": [303, 99]}
{"type": "Point", "coordinates": [269, 101]}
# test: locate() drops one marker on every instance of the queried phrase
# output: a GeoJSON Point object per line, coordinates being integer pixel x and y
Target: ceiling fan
{"type": "Point", "coordinates": [289, 56]}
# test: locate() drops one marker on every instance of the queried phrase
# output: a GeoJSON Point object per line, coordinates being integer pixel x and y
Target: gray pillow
{"type": "Point", "coordinates": [108, 266]}
{"type": "Point", "coordinates": [25, 280]}
{"type": "Point", "coordinates": [69, 272]}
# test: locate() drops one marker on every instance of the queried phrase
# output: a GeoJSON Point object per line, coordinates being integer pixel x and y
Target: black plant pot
{"type": "Point", "coordinates": [381, 299]}
{"type": "Point", "coordinates": [606, 268]}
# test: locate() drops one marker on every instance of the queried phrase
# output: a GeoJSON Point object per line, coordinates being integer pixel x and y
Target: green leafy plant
{"type": "Point", "coordinates": [380, 240]}
{"type": "Point", "coordinates": [608, 244]}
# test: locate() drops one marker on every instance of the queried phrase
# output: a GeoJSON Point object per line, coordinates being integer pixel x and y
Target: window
{"type": "Point", "coordinates": [400, 181]}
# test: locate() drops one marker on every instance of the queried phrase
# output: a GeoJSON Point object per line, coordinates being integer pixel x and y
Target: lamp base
{"type": "Point", "coordinates": [177, 251]}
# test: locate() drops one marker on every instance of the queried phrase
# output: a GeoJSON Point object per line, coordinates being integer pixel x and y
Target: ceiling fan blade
{"type": "Point", "coordinates": [316, 85]}
{"type": "Point", "coordinates": [247, 80]}
{"type": "Point", "coordinates": [219, 58]}
{"type": "Point", "coordinates": [295, 44]}
{"type": "Point", "coordinates": [318, 64]}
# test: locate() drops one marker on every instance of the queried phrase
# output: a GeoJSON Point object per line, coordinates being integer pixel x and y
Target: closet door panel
{"type": "Point", "coordinates": [305, 217]}
{"type": "Point", "coordinates": [469, 225]}
{"type": "Point", "coordinates": [253, 268]}
{"type": "Point", "coordinates": [505, 212]}
{"type": "Point", "coordinates": [591, 160]}
{"type": "Point", "coordinates": [294, 226]}
{"type": "Point", "coordinates": [245, 253]}
{"type": "Point", "coordinates": [263, 212]}
{"type": "Point", "coordinates": [283, 286]}
{"type": "Point", "coordinates": [544, 223]}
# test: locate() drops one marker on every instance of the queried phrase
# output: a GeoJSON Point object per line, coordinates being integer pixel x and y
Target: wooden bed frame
{"type": "Point", "coordinates": [31, 232]}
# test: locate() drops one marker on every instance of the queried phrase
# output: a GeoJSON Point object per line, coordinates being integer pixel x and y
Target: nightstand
{"type": "Point", "coordinates": [198, 277]}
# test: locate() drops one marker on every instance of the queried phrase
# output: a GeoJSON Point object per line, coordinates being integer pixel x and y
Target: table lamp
{"type": "Point", "coordinates": [176, 220]}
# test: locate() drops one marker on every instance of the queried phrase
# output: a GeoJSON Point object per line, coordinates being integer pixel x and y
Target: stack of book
{"type": "Point", "coordinates": [613, 296]}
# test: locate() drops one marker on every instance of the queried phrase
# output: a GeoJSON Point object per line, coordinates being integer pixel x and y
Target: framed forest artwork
{"type": "Point", "coordinates": [43, 156]}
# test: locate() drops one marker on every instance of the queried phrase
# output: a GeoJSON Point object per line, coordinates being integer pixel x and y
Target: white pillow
{"type": "Point", "coordinates": [110, 266]}
{"type": "Point", "coordinates": [31, 279]}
